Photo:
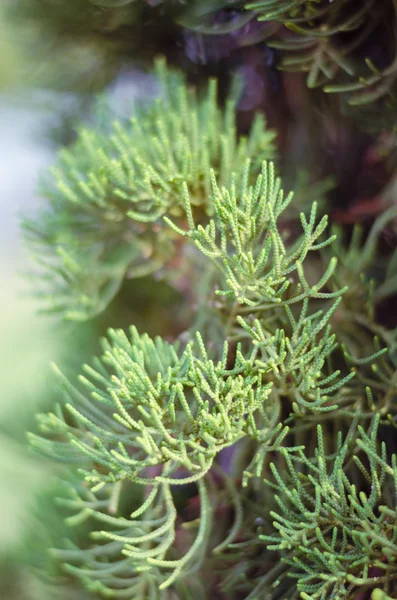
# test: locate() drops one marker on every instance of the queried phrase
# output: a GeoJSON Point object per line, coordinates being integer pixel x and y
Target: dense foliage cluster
{"type": "Point", "coordinates": [163, 436]}
{"type": "Point", "coordinates": [112, 187]}
{"type": "Point", "coordinates": [249, 453]}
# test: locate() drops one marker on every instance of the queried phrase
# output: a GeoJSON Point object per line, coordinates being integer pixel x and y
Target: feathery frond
{"type": "Point", "coordinates": [111, 188]}
{"type": "Point", "coordinates": [337, 533]}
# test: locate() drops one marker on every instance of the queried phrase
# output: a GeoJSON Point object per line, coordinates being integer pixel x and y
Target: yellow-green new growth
{"type": "Point", "coordinates": [155, 418]}
{"type": "Point", "coordinates": [158, 417]}
{"type": "Point", "coordinates": [246, 243]}
{"type": "Point", "coordinates": [158, 408]}
{"type": "Point", "coordinates": [111, 188]}
{"type": "Point", "coordinates": [332, 531]}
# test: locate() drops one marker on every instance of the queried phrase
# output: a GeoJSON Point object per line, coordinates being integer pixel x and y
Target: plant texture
{"type": "Point", "coordinates": [235, 437]}
{"type": "Point", "coordinates": [330, 41]}
{"type": "Point", "coordinates": [200, 453]}
{"type": "Point", "coordinates": [327, 40]}
{"type": "Point", "coordinates": [110, 190]}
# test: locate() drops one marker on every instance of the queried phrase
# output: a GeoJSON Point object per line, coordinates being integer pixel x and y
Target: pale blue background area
{"type": "Point", "coordinates": [25, 340]}
{"type": "Point", "coordinates": [28, 341]}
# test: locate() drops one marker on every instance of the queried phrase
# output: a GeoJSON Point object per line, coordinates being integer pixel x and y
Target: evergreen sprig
{"type": "Point", "coordinates": [245, 243]}
{"type": "Point", "coordinates": [340, 532]}
{"type": "Point", "coordinates": [325, 40]}
{"type": "Point", "coordinates": [111, 188]}
{"type": "Point", "coordinates": [151, 414]}
{"type": "Point", "coordinates": [162, 437]}
{"type": "Point", "coordinates": [159, 409]}
{"type": "Point", "coordinates": [160, 420]}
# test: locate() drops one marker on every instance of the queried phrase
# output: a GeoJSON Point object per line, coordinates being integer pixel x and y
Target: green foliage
{"type": "Point", "coordinates": [247, 247]}
{"type": "Point", "coordinates": [184, 409]}
{"type": "Point", "coordinates": [370, 279]}
{"type": "Point", "coordinates": [338, 530]}
{"type": "Point", "coordinates": [361, 257]}
{"type": "Point", "coordinates": [250, 453]}
{"type": "Point", "coordinates": [151, 417]}
{"type": "Point", "coordinates": [199, 454]}
{"type": "Point", "coordinates": [327, 40]}
{"type": "Point", "coordinates": [111, 188]}
{"type": "Point", "coordinates": [283, 9]}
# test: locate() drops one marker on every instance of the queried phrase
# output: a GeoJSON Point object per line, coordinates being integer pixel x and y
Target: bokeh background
{"type": "Point", "coordinates": [37, 110]}
{"type": "Point", "coordinates": [60, 62]}
{"type": "Point", "coordinates": [27, 344]}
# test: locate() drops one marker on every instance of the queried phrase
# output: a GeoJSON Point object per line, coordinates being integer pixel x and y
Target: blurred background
{"type": "Point", "coordinates": [59, 63]}
{"type": "Point", "coordinates": [48, 78]}
{"type": "Point", "coordinates": [27, 345]}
